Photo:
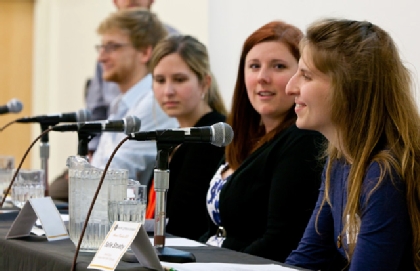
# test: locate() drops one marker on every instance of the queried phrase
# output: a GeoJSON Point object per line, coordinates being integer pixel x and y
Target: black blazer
{"type": "Point", "coordinates": [266, 203]}
{"type": "Point", "coordinates": [190, 170]}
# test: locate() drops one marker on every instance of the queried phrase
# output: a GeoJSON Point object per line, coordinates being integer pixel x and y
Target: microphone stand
{"type": "Point", "coordinates": [44, 149]}
{"type": "Point", "coordinates": [161, 184]}
{"type": "Point", "coordinates": [44, 153]}
{"type": "Point", "coordinates": [83, 141]}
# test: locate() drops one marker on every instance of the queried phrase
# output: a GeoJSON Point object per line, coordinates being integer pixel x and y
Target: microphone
{"type": "Point", "coordinates": [219, 134]}
{"type": "Point", "coordinates": [128, 125]}
{"type": "Point", "coordinates": [13, 106]}
{"type": "Point", "coordinates": [79, 116]}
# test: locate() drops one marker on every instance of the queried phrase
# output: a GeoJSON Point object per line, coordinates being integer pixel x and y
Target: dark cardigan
{"type": "Point", "coordinates": [191, 168]}
{"type": "Point", "coordinates": [266, 203]}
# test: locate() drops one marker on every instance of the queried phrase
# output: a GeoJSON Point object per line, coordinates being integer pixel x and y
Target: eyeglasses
{"type": "Point", "coordinates": [110, 47]}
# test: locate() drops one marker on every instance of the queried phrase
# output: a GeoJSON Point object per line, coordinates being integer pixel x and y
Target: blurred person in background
{"type": "Point", "coordinates": [100, 92]}
{"type": "Point", "coordinates": [127, 41]}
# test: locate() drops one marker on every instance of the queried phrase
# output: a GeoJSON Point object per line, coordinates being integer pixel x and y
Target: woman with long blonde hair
{"type": "Point", "coordinates": [185, 89]}
{"type": "Point", "coordinates": [352, 87]}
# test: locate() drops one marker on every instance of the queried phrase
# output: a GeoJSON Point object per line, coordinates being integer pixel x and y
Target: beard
{"type": "Point", "coordinates": [116, 77]}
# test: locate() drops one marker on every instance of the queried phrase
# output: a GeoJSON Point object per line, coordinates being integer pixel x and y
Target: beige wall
{"type": "Point", "coordinates": [232, 21]}
{"type": "Point", "coordinates": [64, 57]}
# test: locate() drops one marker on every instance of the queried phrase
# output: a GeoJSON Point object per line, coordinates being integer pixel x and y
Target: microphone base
{"type": "Point", "coordinates": [171, 255]}
{"type": "Point", "coordinates": [165, 254]}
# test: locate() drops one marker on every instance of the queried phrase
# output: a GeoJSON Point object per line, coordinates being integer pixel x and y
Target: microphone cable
{"type": "Point", "coordinates": [82, 234]}
{"type": "Point", "coordinates": [7, 125]}
{"type": "Point", "coordinates": [20, 165]}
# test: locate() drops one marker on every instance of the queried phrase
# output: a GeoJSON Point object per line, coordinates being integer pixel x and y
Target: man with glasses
{"type": "Point", "coordinates": [100, 93]}
{"type": "Point", "coordinates": [128, 37]}
{"type": "Point", "coordinates": [127, 40]}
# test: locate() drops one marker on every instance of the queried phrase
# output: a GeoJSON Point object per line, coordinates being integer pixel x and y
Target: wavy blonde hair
{"type": "Point", "coordinates": [195, 55]}
{"type": "Point", "coordinates": [378, 120]}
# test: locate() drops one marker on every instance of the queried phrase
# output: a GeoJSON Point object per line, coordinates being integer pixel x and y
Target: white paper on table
{"type": "Point", "coordinates": [65, 218]}
{"type": "Point", "coordinates": [46, 211]}
{"type": "Point", "coordinates": [179, 242]}
{"type": "Point", "coordinates": [121, 235]}
{"type": "Point", "coordinates": [225, 267]}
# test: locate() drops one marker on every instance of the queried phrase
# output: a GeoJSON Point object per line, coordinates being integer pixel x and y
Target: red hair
{"type": "Point", "coordinates": [245, 121]}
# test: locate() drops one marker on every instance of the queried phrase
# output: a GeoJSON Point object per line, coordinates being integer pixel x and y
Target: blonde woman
{"type": "Point", "coordinates": [185, 89]}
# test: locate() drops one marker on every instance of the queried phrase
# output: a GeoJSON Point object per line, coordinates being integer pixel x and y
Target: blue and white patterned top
{"type": "Point", "coordinates": [216, 185]}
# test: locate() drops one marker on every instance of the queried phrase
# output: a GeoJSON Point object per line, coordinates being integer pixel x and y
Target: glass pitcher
{"type": "Point", "coordinates": [83, 182]}
{"type": "Point", "coordinates": [7, 164]}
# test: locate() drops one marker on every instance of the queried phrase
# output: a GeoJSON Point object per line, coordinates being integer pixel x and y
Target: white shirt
{"type": "Point", "coordinates": [137, 156]}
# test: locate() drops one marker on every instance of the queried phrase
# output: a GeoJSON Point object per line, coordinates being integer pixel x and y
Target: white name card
{"type": "Point", "coordinates": [118, 240]}
{"type": "Point", "coordinates": [43, 209]}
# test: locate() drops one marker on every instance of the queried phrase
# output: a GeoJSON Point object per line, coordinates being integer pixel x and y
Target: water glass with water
{"type": "Point", "coordinates": [127, 202]}
{"type": "Point", "coordinates": [28, 184]}
{"type": "Point", "coordinates": [7, 164]}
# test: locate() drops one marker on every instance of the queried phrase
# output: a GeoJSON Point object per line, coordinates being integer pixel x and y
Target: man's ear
{"type": "Point", "coordinates": [146, 54]}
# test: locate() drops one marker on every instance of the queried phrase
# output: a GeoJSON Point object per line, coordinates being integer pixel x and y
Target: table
{"type": "Point", "coordinates": [36, 253]}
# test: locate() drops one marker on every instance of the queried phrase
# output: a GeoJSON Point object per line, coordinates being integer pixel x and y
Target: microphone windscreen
{"type": "Point", "coordinates": [132, 124]}
{"type": "Point", "coordinates": [223, 134]}
{"type": "Point", "coordinates": [83, 115]}
{"type": "Point", "coordinates": [15, 106]}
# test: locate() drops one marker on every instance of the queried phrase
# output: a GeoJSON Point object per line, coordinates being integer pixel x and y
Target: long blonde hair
{"type": "Point", "coordinates": [378, 118]}
{"type": "Point", "coordinates": [195, 55]}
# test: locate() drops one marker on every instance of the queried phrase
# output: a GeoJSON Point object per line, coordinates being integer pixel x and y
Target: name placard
{"type": "Point", "coordinates": [44, 210]}
{"type": "Point", "coordinates": [118, 240]}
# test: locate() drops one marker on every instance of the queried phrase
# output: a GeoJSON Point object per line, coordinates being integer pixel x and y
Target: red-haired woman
{"type": "Point", "coordinates": [261, 199]}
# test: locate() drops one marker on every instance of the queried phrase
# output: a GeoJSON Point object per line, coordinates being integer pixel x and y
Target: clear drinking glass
{"type": "Point", "coordinates": [7, 164]}
{"type": "Point", "coordinates": [127, 202]}
{"type": "Point", "coordinates": [28, 184]}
